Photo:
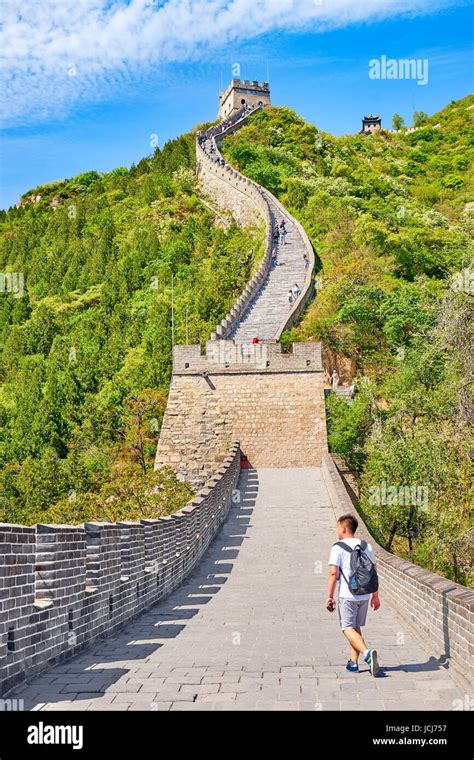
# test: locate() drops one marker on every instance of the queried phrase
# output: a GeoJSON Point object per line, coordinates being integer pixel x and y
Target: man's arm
{"type": "Point", "coordinates": [332, 580]}
{"type": "Point", "coordinates": [375, 601]}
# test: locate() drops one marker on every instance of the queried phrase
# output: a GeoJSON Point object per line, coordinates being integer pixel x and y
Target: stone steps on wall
{"type": "Point", "coordinates": [270, 307]}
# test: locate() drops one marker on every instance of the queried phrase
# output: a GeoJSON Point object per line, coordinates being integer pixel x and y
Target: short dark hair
{"type": "Point", "coordinates": [350, 521]}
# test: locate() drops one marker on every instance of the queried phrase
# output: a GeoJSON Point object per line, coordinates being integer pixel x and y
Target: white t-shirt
{"type": "Point", "coordinates": [342, 559]}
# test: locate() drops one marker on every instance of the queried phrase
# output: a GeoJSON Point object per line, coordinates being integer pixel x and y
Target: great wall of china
{"type": "Point", "coordinates": [253, 536]}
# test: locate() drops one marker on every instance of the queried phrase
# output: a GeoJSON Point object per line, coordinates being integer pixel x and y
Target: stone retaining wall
{"type": "Point", "coordinates": [63, 586]}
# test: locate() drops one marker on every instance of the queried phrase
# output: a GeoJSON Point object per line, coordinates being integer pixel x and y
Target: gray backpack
{"type": "Point", "coordinates": [363, 578]}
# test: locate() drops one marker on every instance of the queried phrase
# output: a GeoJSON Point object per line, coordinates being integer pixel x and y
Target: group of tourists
{"type": "Point", "coordinates": [211, 150]}
{"type": "Point", "coordinates": [293, 293]}
{"type": "Point", "coordinates": [279, 238]}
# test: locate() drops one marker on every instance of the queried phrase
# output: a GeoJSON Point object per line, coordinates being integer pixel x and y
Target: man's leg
{"type": "Point", "coordinates": [354, 652]}
{"type": "Point", "coordinates": [370, 655]}
{"type": "Point", "coordinates": [348, 612]}
{"type": "Point", "coordinates": [356, 642]}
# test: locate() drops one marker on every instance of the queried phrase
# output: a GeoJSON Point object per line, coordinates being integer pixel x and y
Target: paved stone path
{"type": "Point", "coordinates": [248, 630]}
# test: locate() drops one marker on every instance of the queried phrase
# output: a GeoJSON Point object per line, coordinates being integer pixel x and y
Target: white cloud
{"type": "Point", "coordinates": [56, 53]}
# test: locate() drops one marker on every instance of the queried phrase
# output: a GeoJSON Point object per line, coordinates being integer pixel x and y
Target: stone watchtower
{"type": "Point", "coordinates": [371, 124]}
{"type": "Point", "coordinates": [239, 94]}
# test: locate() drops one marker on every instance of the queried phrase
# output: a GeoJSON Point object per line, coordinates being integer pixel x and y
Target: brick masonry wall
{"type": "Point", "coordinates": [231, 190]}
{"type": "Point", "coordinates": [63, 586]}
{"type": "Point", "coordinates": [433, 608]}
{"type": "Point", "coordinates": [276, 411]}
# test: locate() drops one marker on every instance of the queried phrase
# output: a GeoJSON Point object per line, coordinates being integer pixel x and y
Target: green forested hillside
{"type": "Point", "coordinates": [391, 218]}
{"type": "Point", "coordinates": [86, 348]}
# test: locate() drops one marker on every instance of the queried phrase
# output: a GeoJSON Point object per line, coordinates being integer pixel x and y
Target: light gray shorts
{"type": "Point", "coordinates": [352, 614]}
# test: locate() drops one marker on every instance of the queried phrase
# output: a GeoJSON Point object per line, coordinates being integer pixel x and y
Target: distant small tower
{"type": "Point", "coordinates": [242, 93]}
{"type": "Point", "coordinates": [371, 124]}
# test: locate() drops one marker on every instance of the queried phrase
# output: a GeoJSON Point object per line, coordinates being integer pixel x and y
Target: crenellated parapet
{"type": "Point", "coordinates": [63, 586]}
{"type": "Point", "coordinates": [229, 356]}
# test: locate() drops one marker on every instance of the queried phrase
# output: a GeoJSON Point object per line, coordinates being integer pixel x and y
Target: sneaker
{"type": "Point", "coordinates": [372, 661]}
{"type": "Point", "coordinates": [352, 667]}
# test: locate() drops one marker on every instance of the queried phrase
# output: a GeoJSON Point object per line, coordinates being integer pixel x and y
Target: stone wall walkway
{"type": "Point", "coordinates": [271, 305]}
{"type": "Point", "coordinates": [248, 629]}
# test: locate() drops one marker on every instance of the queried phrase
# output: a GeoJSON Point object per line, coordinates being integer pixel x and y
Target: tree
{"type": "Point", "coordinates": [128, 494]}
{"type": "Point", "coordinates": [349, 426]}
{"type": "Point", "coordinates": [141, 424]}
{"type": "Point", "coordinates": [419, 118]}
{"type": "Point", "coordinates": [397, 121]}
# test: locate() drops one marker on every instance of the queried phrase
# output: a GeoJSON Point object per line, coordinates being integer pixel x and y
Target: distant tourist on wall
{"type": "Point", "coordinates": [290, 297]}
{"type": "Point", "coordinates": [275, 257]}
{"type": "Point", "coordinates": [296, 290]}
{"type": "Point", "coordinates": [335, 379]}
{"type": "Point", "coordinates": [306, 260]}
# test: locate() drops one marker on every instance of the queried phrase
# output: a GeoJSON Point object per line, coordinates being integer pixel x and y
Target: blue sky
{"type": "Point", "coordinates": [90, 87]}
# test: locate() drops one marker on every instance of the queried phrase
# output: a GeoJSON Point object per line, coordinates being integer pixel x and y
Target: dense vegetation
{"type": "Point", "coordinates": [391, 221]}
{"type": "Point", "coordinates": [85, 358]}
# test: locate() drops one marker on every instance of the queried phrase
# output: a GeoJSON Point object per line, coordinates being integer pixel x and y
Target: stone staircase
{"type": "Point", "coordinates": [271, 305]}
{"type": "Point", "coordinates": [269, 399]}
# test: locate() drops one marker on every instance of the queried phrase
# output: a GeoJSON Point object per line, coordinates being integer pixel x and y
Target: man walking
{"type": "Point", "coordinates": [355, 571]}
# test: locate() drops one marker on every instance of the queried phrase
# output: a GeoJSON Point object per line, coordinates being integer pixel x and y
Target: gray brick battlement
{"type": "Point", "coordinates": [63, 586]}
{"type": "Point", "coordinates": [229, 356]}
